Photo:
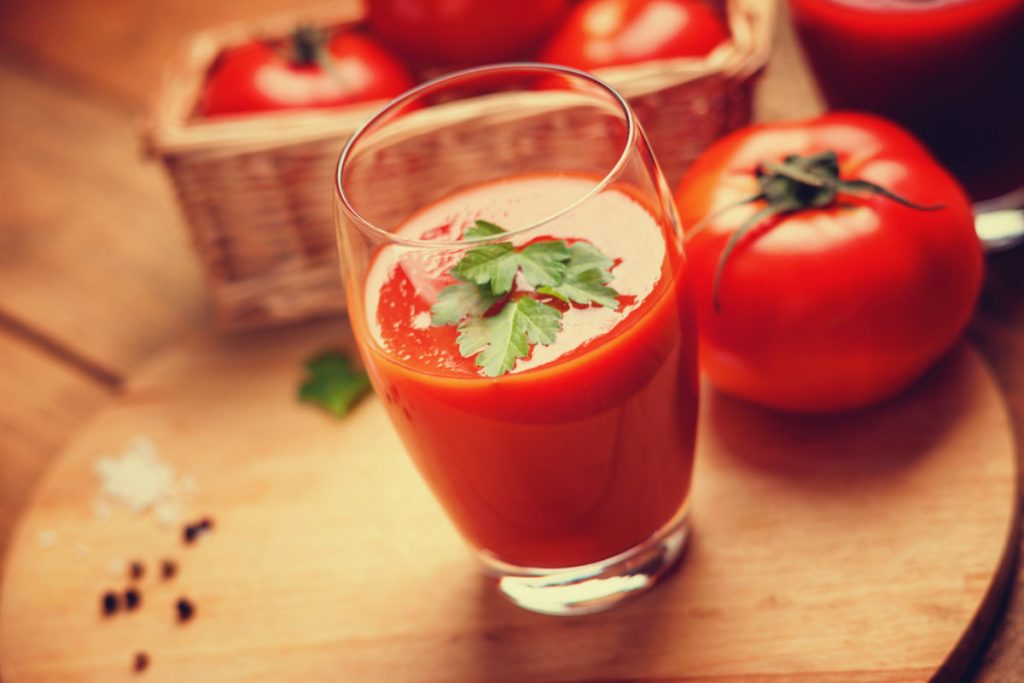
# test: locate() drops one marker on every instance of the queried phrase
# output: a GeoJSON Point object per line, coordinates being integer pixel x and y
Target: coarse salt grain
{"type": "Point", "coordinates": [46, 538]}
{"type": "Point", "coordinates": [167, 513]}
{"type": "Point", "coordinates": [142, 481]}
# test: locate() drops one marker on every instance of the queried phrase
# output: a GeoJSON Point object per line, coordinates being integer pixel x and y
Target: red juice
{"type": "Point", "coordinates": [585, 449]}
{"type": "Point", "coordinates": [952, 71]}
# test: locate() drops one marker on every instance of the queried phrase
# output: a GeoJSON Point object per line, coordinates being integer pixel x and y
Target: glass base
{"type": "Point", "coordinates": [594, 587]}
{"type": "Point", "coordinates": [1000, 221]}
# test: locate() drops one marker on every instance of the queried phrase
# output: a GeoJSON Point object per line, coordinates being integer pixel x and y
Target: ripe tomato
{"type": "Point", "coordinates": [602, 33]}
{"type": "Point", "coordinates": [260, 77]}
{"type": "Point", "coordinates": [841, 298]}
{"type": "Point", "coordinates": [463, 32]}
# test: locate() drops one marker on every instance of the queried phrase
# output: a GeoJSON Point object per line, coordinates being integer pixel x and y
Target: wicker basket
{"type": "Point", "coordinates": [256, 191]}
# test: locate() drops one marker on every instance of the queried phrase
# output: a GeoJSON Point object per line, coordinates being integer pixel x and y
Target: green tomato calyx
{"type": "Point", "coordinates": [796, 184]}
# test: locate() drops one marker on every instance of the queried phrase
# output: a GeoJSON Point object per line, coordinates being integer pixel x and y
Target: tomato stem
{"type": "Point", "coordinates": [308, 48]}
{"type": "Point", "coordinates": [798, 183]}
{"type": "Point", "coordinates": [758, 217]}
{"type": "Point", "coordinates": [792, 172]}
{"type": "Point", "coordinates": [854, 186]}
{"type": "Point", "coordinates": [307, 44]}
{"type": "Point", "coordinates": [703, 223]}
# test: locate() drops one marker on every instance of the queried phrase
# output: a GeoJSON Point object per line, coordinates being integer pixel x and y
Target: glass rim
{"type": "Point", "coordinates": [412, 94]}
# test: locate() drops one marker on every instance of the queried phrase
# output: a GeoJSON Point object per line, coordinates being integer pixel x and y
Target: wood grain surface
{"type": "Point", "coordinates": [86, 211]}
{"type": "Point", "coordinates": [833, 549]}
{"type": "Point", "coordinates": [43, 400]}
{"type": "Point", "coordinates": [101, 61]}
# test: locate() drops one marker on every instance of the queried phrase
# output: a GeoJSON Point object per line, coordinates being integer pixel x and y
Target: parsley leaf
{"type": "Point", "coordinates": [585, 287]}
{"type": "Point", "coordinates": [543, 263]}
{"type": "Point", "coordinates": [586, 274]}
{"type": "Point", "coordinates": [482, 229]}
{"type": "Point", "coordinates": [333, 383]}
{"type": "Point", "coordinates": [457, 301]}
{"type": "Point", "coordinates": [504, 338]}
{"type": "Point", "coordinates": [494, 264]}
{"type": "Point", "coordinates": [578, 273]}
{"type": "Point", "coordinates": [585, 256]}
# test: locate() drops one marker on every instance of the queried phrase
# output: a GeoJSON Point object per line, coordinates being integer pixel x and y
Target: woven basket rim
{"type": "Point", "coordinates": [171, 128]}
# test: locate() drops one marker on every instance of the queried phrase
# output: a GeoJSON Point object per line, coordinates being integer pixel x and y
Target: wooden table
{"type": "Point", "coordinates": [96, 273]}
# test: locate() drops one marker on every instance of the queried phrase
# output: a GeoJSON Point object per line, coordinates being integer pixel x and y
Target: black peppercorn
{"type": "Point", "coordinates": [136, 570]}
{"type": "Point", "coordinates": [168, 569]}
{"type": "Point", "coordinates": [132, 598]}
{"type": "Point", "coordinates": [186, 610]}
{"type": "Point", "coordinates": [141, 661]}
{"type": "Point", "coordinates": [191, 531]}
{"type": "Point", "coordinates": [109, 603]}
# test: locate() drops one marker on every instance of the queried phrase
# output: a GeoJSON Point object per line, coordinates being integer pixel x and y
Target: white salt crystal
{"type": "Point", "coordinates": [167, 513]}
{"type": "Point", "coordinates": [46, 538]}
{"type": "Point", "coordinates": [141, 480]}
{"type": "Point", "coordinates": [138, 478]}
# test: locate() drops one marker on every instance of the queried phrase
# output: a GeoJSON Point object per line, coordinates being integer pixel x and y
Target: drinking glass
{"type": "Point", "coordinates": [568, 475]}
{"type": "Point", "coordinates": [951, 71]}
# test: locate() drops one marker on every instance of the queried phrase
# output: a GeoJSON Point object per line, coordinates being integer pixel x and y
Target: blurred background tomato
{"type": "Point", "coordinates": [600, 33]}
{"type": "Point", "coordinates": [463, 32]}
{"type": "Point", "coordinates": [311, 70]}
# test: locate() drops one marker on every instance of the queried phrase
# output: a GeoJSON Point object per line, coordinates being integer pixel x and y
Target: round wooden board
{"type": "Point", "coordinates": [871, 547]}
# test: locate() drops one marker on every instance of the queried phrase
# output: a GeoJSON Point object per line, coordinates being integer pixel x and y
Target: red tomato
{"type": "Point", "coordinates": [463, 32]}
{"type": "Point", "coordinates": [841, 301]}
{"type": "Point", "coordinates": [602, 33]}
{"type": "Point", "coordinates": [258, 77]}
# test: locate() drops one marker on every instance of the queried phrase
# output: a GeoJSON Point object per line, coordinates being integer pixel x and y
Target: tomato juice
{"type": "Point", "coordinates": [585, 449]}
{"type": "Point", "coordinates": [952, 71]}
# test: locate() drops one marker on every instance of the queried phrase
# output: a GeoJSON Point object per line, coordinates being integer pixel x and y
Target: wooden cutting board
{"type": "Point", "coordinates": [871, 547]}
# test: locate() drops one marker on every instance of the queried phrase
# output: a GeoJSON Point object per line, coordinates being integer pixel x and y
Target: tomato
{"type": "Point", "coordinates": [262, 77]}
{"type": "Point", "coordinates": [463, 32]}
{"type": "Point", "coordinates": [602, 33]}
{"type": "Point", "coordinates": [836, 301]}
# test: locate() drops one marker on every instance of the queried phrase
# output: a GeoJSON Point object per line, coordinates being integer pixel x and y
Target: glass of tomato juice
{"type": "Point", "coordinates": [951, 71]}
{"type": "Point", "coordinates": [518, 291]}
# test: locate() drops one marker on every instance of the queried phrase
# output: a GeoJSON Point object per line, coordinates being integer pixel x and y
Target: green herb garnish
{"type": "Point", "coordinates": [585, 276]}
{"type": "Point", "coordinates": [333, 383]}
{"type": "Point", "coordinates": [487, 278]}
{"type": "Point", "coordinates": [457, 301]}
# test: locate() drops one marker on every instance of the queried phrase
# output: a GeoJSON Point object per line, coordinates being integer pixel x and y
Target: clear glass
{"type": "Point", "coordinates": [951, 71]}
{"type": "Point", "coordinates": [569, 476]}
